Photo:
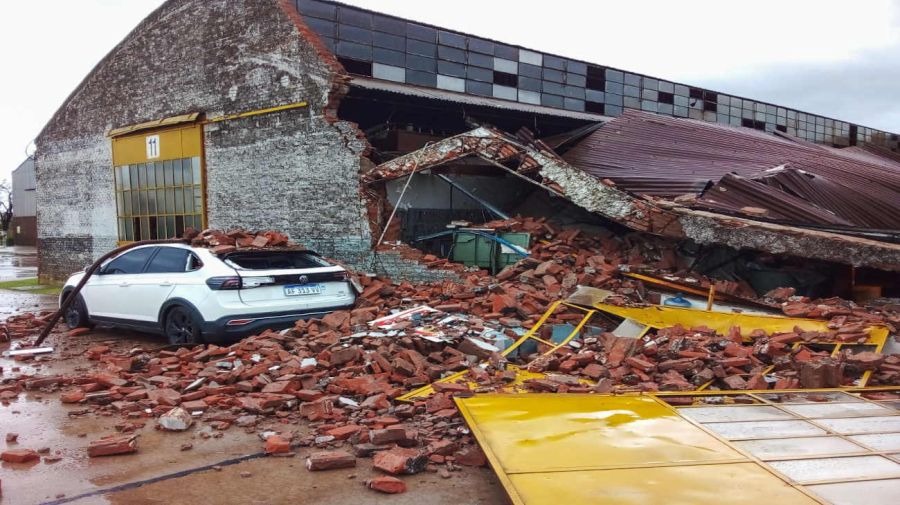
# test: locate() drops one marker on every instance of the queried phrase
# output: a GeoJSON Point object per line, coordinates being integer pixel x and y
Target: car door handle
{"type": "Point", "coordinates": [166, 284]}
{"type": "Point", "coordinates": [124, 284]}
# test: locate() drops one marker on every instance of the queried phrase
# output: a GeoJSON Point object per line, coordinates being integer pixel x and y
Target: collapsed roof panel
{"type": "Point", "coordinates": [541, 165]}
{"type": "Point", "coordinates": [656, 155]}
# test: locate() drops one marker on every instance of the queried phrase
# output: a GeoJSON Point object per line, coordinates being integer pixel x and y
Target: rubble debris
{"type": "Point", "coordinates": [19, 455]}
{"type": "Point", "coordinates": [386, 484]}
{"type": "Point", "coordinates": [176, 419]}
{"type": "Point", "coordinates": [340, 376]}
{"type": "Point", "coordinates": [113, 445]}
{"type": "Point", "coordinates": [330, 460]}
{"type": "Point", "coordinates": [223, 242]}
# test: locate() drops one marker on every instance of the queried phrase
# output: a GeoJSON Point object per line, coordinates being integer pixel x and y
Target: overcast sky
{"type": "Point", "coordinates": [836, 58]}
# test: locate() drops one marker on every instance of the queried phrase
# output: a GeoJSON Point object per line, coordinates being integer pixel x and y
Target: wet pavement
{"type": "Point", "coordinates": [160, 472]}
{"type": "Point", "coordinates": [41, 420]}
{"type": "Point", "coordinates": [17, 262]}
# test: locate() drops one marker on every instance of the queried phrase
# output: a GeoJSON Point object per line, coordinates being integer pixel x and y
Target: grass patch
{"type": "Point", "coordinates": [30, 286]}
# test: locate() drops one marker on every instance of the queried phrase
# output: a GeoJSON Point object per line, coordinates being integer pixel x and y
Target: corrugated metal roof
{"type": "Point", "coordinates": [657, 155]}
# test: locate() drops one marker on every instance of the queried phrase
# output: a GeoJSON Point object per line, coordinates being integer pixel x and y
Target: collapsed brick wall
{"type": "Point", "coordinates": [392, 265]}
{"type": "Point", "coordinates": [295, 170]}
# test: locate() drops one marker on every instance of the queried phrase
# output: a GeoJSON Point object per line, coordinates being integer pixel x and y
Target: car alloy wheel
{"type": "Point", "coordinates": [180, 327]}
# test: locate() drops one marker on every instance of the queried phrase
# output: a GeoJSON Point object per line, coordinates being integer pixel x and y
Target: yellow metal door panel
{"type": "Point", "coordinates": [552, 432]}
{"type": "Point", "coordinates": [733, 484]}
{"type": "Point", "coordinates": [172, 143]}
{"type": "Point", "coordinates": [663, 317]}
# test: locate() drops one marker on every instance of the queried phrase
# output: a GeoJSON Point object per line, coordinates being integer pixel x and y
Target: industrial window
{"type": "Point", "coordinates": [506, 79]}
{"type": "Point", "coordinates": [158, 183]}
{"type": "Point", "coordinates": [158, 200]}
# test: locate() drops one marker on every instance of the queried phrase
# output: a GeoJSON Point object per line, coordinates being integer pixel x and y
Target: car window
{"type": "Point", "coordinates": [267, 260]}
{"type": "Point", "coordinates": [131, 262]}
{"type": "Point", "coordinates": [169, 259]}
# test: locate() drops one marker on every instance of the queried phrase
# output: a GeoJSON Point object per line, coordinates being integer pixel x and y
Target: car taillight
{"type": "Point", "coordinates": [223, 283]}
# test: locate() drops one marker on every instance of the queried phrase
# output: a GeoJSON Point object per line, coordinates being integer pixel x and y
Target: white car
{"type": "Point", "coordinates": [191, 295]}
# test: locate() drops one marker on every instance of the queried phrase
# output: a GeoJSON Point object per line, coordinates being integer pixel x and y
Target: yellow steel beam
{"type": "Point", "coordinates": [257, 112]}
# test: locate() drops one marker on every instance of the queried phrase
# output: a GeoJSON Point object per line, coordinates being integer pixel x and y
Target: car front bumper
{"type": "Point", "coordinates": [221, 331]}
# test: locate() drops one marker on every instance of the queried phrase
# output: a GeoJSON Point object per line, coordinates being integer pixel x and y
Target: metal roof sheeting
{"type": "Point", "coordinates": [657, 155]}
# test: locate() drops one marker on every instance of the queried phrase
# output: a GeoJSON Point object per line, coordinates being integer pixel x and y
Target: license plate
{"type": "Point", "coordinates": [305, 289]}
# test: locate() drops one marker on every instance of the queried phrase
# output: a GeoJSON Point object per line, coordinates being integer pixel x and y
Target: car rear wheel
{"type": "Point", "coordinates": [180, 327]}
{"type": "Point", "coordinates": [76, 315]}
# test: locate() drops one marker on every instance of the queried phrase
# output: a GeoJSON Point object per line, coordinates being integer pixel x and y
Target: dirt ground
{"type": "Point", "coordinates": [160, 472]}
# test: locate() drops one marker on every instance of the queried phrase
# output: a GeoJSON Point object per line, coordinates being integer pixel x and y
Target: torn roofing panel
{"type": "Point", "coordinates": [651, 154]}
{"type": "Point", "coordinates": [735, 194]}
{"type": "Point", "coordinates": [543, 167]}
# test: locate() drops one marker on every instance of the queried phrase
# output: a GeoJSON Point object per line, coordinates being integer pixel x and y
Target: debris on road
{"type": "Point", "coordinates": [19, 455]}
{"type": "Point", "coordinates": [176, 419]}
{"type": "Point", "coordinates": [386, 484]}
{"type": "Point", "coordinates": [113, 445]}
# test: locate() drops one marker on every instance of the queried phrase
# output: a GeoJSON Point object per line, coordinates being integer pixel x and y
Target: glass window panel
{"type": "Point", "coordinates": [179, 226]}
{"type": "Point", "coordinates": [151, 175]}
{"type": "Point", "coordinates": [738, 413]}
{"type": "Point", "coordinates": [151, 200]}
{"type": "Point", "coordinates": [862, 424]}
{"type": "Point", "coordinates": [160, 177]}
{"type": "Point", "coordinates": [195, 164]}
{"type": "Point", "coordinates": [153, 228]}
{"type": "Point", "coordinates": [161, 204]}
{"type": "Point", "coordinates": [795, 447]}
{"type": "Point", "coordinates": [137, 227]}
{"type": "Point", "coordinates": [145, 228]}
{"type": "Point", "coordinates": [129, 230]}
{"type": "Point", "coordinates": [117, 171]}
{"type": "Point", "coordinates": [142, 195]}
{"type": "Point", "coordinates": [120, 203]}
{"type": "Point", "coordinates": [161, 228]}
{"type": "Point", "coordinates": [876, 492]}
{"type": "Point", "coordinates": [839, 410]}
{"type": "Point", "coordinates": [189, 221]}
{"type": "Point", "coordinates": [188, 199]}
{"type": "Point", "coordinates": [126, 184]}
{"type": "Point", "coordinates": [810, 470]}
{"type": "Point", "coordinates": [177, 172]}
{"type": "Point", "coordinates": [170, 227]}
{"type": "Point", "coordinates": [145, 168]}
{"type": "Point", "coordinates": [135, 203]}
{"type": "Point", "coordinates": [879, 441]}
{"type": "Point", "coordinates": [170, 201]}
{"type": "Point", "coordinates": [179, 200]}
{"type": "Point", "coordinates": [764, 429]}
{"type": "Point", "coordinates": [167, 171]}
{"type": "Point", "coordinates": [188, 173]}
{"type": "Point", "coordinates": [121, 229]}
{"type": "Point", "coordinates": [198, 200]}
{"type": "Point", "coordinates": [133, 176]}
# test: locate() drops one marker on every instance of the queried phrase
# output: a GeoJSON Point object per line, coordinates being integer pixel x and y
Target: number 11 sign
{"type": "Point", "coordinates": [152, 146]}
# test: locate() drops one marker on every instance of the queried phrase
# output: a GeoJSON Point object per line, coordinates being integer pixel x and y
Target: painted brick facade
{"type": "Point", "coordinates": [295, 170]}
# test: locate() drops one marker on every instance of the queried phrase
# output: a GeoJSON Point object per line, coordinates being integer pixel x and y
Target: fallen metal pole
{"type": "Point", "coordinates": [87, 275]}
{"type": "Point", "coordinates": [491, 208]}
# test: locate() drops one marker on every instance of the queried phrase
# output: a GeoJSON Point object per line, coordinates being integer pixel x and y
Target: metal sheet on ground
{"type": "Point", "coordinates": [578, 449]}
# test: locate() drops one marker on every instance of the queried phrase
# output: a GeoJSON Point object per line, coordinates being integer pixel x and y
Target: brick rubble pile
{"type": "Point", "coordinates": [338, 376]}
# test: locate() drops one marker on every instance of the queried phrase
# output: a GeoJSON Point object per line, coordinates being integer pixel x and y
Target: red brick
{"type": "Point", "coordinates": [113, 445]}
{"type": "Point", "coordinates": [276, 444]}
{"type": "Point", "coordinates": [400, 461]}
{"type": "Point", "coordinates": [330, 460]}
{"type": "Point", "coordinates": [19, 455]}
{"type": "Point", "coordinates": [386, 484]}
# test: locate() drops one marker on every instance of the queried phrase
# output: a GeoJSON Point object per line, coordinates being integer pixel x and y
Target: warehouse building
{"type": "Point", "coordinates": [23, 225]}
{"type": "Point", "coordinates": [273, 114]}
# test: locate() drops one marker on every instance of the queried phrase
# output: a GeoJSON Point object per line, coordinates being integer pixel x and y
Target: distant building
{"type": "Point", "coordinates": [23, 227]}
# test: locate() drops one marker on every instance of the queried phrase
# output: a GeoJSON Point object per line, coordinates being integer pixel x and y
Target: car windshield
{"type": "Point", "coordinates": [274, 260]}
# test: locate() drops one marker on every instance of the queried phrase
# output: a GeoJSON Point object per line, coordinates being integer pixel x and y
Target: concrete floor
{"type": "Point", "coordinates": [160, 473]}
